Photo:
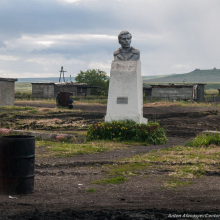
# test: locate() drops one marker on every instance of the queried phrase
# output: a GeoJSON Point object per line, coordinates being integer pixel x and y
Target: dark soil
{"type": "Point", "coordinates": [61, 183]}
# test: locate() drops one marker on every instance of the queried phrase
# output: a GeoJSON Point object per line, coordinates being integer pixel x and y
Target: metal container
{"type": "Point", "coordinates": [64, 98]}
{"type": "Point", "coordinates": [17, 161]}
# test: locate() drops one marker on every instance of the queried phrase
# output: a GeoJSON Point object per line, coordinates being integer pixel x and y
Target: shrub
{"type": "Point", "coordinates": [150, 133]}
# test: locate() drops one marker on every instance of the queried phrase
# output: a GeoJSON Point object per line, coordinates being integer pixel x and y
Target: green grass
{"type": "Point", "coordinates": [176, 183]}
{"type": "Point", "coordinates": [212, 91]}
{"type": "Point", "coordinates": [35, 100]}
{"type": "Point", "coordinates": [92, 190]}
{"type": "Point", "coordinates": [160, 103]}
{"type": "Point", "coordinates": [23, 87]}
{"type": "Point", "coordinates": [27, 108]}
{"type": "Point", "coordinates": [91, 101]}
{"type": "Point", "coordinates": [34, 111]}
{"type": "Point", "coordinates": [127, 169]}
{"type": "Point", "coordinates": [179, 165]}
{"type": "Point", "coordinates": [113, 180]}
{"type": "Point", "coordinates": [65, 149]}
{"type": "Point", "coordinates": [205, 140]}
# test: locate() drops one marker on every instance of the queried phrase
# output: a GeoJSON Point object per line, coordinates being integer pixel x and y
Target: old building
{"type": "Point", "coordinates": [50, 90]}
{"type": "Point", "coordinates": [7, 91]}
{"type": "Point", "coordinates": [176, 91]}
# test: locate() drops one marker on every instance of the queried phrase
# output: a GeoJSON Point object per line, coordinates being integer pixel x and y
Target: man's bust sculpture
{"type": "Point", "coordinates": [126, 52]}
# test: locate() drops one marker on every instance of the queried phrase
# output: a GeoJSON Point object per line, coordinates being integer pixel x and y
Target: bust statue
{"type": "Point", "coordinates": [126, 52]}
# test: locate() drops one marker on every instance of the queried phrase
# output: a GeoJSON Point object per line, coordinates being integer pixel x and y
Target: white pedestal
{"type": "Point", "coordinates": [125, 97]}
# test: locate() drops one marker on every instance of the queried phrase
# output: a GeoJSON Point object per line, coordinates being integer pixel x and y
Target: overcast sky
{"type": "Point", "coordinates": [37, 37]}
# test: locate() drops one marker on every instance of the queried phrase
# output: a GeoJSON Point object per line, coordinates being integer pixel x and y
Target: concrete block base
{"type": "Point", "coordinates": [125, 98]}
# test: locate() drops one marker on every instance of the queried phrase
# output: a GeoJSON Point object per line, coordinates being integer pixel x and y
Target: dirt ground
{"type": "Point", "coordinates": [61, 183]}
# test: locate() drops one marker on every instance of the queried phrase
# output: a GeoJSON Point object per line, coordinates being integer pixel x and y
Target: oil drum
{"type": "Point", "coordinates": [17, 162]}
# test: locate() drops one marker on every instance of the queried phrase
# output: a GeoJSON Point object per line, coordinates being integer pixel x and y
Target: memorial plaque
{"type": "Point", "coordinates": [122, 100]}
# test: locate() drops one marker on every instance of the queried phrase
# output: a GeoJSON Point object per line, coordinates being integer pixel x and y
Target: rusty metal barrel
{"type": "Point", "coordinates": [64, 98]}
{"type": "Point", "coordinates": [17, 161]}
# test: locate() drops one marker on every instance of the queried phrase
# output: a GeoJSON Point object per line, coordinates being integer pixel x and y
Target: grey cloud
{"type": "Point", "coordinates": [43, 17]}
{"type": "Point", "coordinates": [2, 44]}
{"type": "Point", "coordinates": [170, 34]}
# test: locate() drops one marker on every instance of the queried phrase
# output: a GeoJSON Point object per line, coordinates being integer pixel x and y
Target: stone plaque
{"type": "Point", "coordinates": [122, 100]}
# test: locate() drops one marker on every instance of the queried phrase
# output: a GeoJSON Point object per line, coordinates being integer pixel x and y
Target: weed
{"type": "Point", "coordinates": [113, 180]}
{"type": "Point", "coordinates": [34, 111]}
{"type": "Point", "coordinates": [176, 183]}
{"type": "Point", "coordinates": [127, 169]}
{"type": "Point", "coordinates": [92, 190]}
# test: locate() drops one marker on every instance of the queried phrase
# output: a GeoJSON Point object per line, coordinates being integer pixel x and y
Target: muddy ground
{"type": "Point", "coordinates": [61, 183]}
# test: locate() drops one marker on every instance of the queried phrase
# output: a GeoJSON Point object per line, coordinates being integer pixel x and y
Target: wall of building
{"type": "Point", "coordinates": [88, 91]}
{"type": "Point", "coordinates": [42, 90]}
{"type": "Point", "coordinates": [175, 93]}
{"type": "Point", "coordinates": [200, 92]}
{"type": "Point", "coordinates": [147, 92]}
{"type": "Point", "coordinates": [7, 93]}
{"type": "Point", "coordinates": [50, 90]}
{"type": "Point", "coordinates": [65, 88]}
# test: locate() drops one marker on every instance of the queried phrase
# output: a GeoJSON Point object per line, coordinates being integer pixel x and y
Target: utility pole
{"type": "Point", "coordinates": [62, 71]}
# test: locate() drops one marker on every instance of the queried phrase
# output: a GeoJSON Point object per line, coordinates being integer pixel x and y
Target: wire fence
{"type": "Point", "coordinates": [211, 97]}
{"type": "Point", "coordinates": [207, 98]}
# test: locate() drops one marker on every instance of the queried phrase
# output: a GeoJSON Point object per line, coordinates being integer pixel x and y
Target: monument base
{"type": "Point", "coordinates": [125, 98]}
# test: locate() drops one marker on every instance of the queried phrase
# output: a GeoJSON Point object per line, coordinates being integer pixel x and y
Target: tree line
{"type": "Point", "coordinates": [94, 77]}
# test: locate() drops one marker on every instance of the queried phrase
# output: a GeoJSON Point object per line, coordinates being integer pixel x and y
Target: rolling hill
{"type": "Point", "coordinates": [202, 76]}
{"type": "Point", "coordinates": [46, 80]}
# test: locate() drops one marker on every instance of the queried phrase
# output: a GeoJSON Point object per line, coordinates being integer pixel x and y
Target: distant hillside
{"type": "Point", "coordinates": [49, 79]}
{"type": "Point", "coordinates": [56, 79]}
{"type": "Point", "coordinates": [194, 76]}
{"type": "Point", "coordinates": [154, 77]}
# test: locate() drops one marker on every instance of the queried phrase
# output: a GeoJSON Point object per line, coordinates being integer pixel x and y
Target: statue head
{"type": "Point", "coordinates": [124, 38]}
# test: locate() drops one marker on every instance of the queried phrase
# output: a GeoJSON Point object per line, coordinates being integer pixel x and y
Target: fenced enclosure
{"type": "Point", "coordinates": [208, 97]}
{"type": "Point", "coordinates": [87, 99]}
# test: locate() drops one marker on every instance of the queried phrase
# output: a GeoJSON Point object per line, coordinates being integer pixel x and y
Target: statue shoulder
{"type": "Point", "coordinates": [135, 51]}
{"type": "Point", "coordinates": [116, 52]}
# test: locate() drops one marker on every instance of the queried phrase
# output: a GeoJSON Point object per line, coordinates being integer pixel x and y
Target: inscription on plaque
{"type": "Point", "coordinates": [122, 100]}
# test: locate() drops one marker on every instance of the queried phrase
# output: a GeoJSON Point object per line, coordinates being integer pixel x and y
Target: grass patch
{"type": "Point", "coordinates": [91, 101]}
{"type": "Point", "coordinates": [127, 169]}
{"type": "Point", "coordinates": [27, 108]}
{"type": "Point", "coordinates": [34, 111]}
{"type": "Point", "coordinates": [180, 103]}
{"type": "Point", "coordinates": [23, 87]}
{"type": "Point", "coordinates": [206, 139]}
{"type": "Point", "coordinates": [176, 183]}
{"type": "Point", "coordinates": [92, 190]}
{"type": "Point", "coordinates": [35, 100]}
{"type": "Point", "coordinates": [118, 173]}
{"type": "Point", "coordinates": [179, 164]}
{"type": "Point", "coordinates": [113, 180]}
{"type": "Point", "coordinates": [65, 149]}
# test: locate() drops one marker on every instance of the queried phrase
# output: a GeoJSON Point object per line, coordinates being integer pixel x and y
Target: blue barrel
{"type": "Point", "coordinates": [17, 162]}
